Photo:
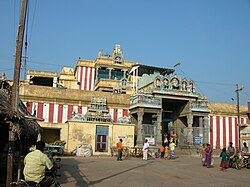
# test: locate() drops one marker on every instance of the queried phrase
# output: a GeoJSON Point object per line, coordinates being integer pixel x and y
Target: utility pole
{"type": "Point", "coordinates": [15, 88]}
{"type": "Point", "coordinates": [238, 112]}
{"type": "Point", "coordinates": [19, 47]}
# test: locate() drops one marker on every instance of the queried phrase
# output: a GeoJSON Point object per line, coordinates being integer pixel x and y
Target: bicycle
{"type": "Point", "coordinates": [23, 183]}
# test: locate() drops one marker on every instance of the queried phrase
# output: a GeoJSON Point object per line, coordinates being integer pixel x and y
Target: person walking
{"type": "Point", "coordinates": [231, 153]}
{"type": "Point", "coordinates": [119, 149]}
{"type": "Point", "coordinates": [224, 160]}
{"type": "Point", "coordinates": [145, 150]}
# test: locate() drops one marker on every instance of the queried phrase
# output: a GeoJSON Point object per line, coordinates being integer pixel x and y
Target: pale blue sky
{"type": "Point", "coordinates": [210, 38]}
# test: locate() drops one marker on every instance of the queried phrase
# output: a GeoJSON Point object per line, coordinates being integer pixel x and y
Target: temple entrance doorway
{"type": "Point", "coordinates": [171, 109]}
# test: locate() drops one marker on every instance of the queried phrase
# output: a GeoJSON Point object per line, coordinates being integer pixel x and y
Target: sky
{"type": "Point", "coordinates": [209, 38]}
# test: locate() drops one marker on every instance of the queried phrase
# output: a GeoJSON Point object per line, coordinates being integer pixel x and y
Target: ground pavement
{"type": "Point", "coordinates": [183, 171]}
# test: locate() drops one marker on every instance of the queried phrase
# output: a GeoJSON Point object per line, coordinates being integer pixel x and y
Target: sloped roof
{"type": "Point", "coordinates": [224, 109]}
{"type": "Point", "coordinates": [22, 125]}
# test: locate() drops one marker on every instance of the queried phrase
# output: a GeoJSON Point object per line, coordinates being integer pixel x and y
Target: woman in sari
{"type": "Point", "coordinates": [208, 151]}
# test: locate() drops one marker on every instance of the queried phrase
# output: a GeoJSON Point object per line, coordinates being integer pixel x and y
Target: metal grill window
{"type": "Point", "coordinates": [149, 131]}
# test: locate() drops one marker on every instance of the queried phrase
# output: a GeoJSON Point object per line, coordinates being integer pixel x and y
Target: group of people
{"type": "Point", "coordinates": [168, 145]}
{"type": "Point", "coordinates": [227, 155]}
{"type": "Point", "coordinates": [120, 148]}
{"type": "Point", "coordinates": [165, 148]}
{"type": "Point", "coordinates": [163, 151]}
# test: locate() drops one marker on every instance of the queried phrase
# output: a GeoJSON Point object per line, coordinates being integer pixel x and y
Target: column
{"type": "Point", "coordinates": [54, 82]}
{"type": "Point", "coordinates": [139, 140]}
{"type": "Point", "coordinates": [133, 78]}
{"type": "Point", "coordinates": [201, 128]}
{"type": "Point", "coordinates": [159, 129]}
{"type": "Point", "coordinates": [137, 70]}
{"type": "Point", "coordinates": [110, 69]}
{"type": "Point", "coordinates": [206, 130]}
{"type": "Point", "coordinates": [190, 129]}
{"type": "Point", "coordinates": [96, 74]}
{"type": "Point", "coordinates": [124, 72]}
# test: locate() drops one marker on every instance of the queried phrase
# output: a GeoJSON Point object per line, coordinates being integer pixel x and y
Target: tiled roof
{"type": "Point", "coordinates": [225, 109]}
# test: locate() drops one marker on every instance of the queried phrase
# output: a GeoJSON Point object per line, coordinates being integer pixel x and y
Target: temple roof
{"type": "Point", "coordinates": [71, 96]}
{"type": "Point", "coordinates": [145, 69]}
{"type": "Point", "coordinates": [224, 109]}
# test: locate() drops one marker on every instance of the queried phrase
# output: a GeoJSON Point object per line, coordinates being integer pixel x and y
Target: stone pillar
{"type": "Point", "coordinates": [206, 130]}
{"type": "Point", "coordinates": [54, 82]}
{"type": "Point", "coordinates": [110, 69]}
{"type": "Point", "coordinates": [190, 129]}
{"type": "Point", "coordinates": [201, 126]}
{"type": "Point", "coordinates": [139, 140]}
{"type": "Point", "coordinates": [159, 129]}
{"type": "Point", "coordinates": [124, 72]}
{"type": "Point", "coordinates": [96, 74]}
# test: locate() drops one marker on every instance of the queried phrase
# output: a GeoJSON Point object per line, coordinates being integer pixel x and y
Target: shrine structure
{"type": "Point", "coordinates": [102, 100]}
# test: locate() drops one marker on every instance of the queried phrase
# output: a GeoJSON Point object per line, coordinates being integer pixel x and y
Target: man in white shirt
{"type": "Point", "coordinates": [145, 150]}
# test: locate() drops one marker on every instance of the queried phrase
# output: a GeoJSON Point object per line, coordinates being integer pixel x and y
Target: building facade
{"type": "Point", "coordinates": [129, 97]}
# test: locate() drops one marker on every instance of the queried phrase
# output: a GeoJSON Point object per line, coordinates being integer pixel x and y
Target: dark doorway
{"type": "Point", "coordinates": [171, 109]}
{"type": "Point", "coordinates": [50, 135]}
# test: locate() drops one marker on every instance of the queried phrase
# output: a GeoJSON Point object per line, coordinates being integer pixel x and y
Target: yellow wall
{"type": "Point", "coordinates": [76, 133]}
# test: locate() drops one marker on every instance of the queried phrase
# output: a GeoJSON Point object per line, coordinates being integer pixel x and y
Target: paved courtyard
{"type": "Point", "coordinates": [183, 171]}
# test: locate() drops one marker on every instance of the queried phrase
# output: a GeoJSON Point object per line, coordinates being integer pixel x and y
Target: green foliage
{"type": "Point", "coordinates": [59, 142]}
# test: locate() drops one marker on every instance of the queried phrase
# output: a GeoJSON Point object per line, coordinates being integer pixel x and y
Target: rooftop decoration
{"type": "Point", "coordinates": [97, 112]}
{"type": "Point", "coordinates": [117, 54]}
{"type": "Point", "coordinates": [173, 83]}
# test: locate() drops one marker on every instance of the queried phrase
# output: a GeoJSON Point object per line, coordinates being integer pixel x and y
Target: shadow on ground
{"type": "Point", "coordinates": [71, 175]}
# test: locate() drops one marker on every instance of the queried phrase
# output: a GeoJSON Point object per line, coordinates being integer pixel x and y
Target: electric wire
{"type": "Point", "coordinates": [32, 22]}
{"type": "Point", "coordinates": [14, 23]}
{"type": "Point", "coordinates": [191, 79]}
{"type": "Point", "coordinates": [216, 83]}
{"type": "Point", "coordinates": [26, 40]}
{"type": "Point", "coordinates": [6, 69]}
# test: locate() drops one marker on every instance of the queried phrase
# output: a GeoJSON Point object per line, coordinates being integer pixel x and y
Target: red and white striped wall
{"type": "Point", "coordinates": [224, 129]}
{"type": "Point", "coordinates": [86, 77]}
{"type": "Point", "coordinates": [116, 113]}
{"type": "Point", "coordinates": [59, 113]}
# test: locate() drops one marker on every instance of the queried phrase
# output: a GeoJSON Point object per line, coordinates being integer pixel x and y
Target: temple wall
{"type": "Point", "coordinates": [60, 113]}
{"type": "Point", "coordinates": [77, 133]}
{"type": "Point", "coordinates": [224, 129]}
{"type": "Point", "coordinates": [85, 77]}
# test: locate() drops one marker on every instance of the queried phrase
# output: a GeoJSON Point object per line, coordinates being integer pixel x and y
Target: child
{"type": "Point", "coordinates": [166, 152]}
{"type": "Point", "coordinates": [162, 151]}
{"type": "Point", "coordinates": [172, 148]}
{"type": "Point", "coordinates": [224, 160]}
